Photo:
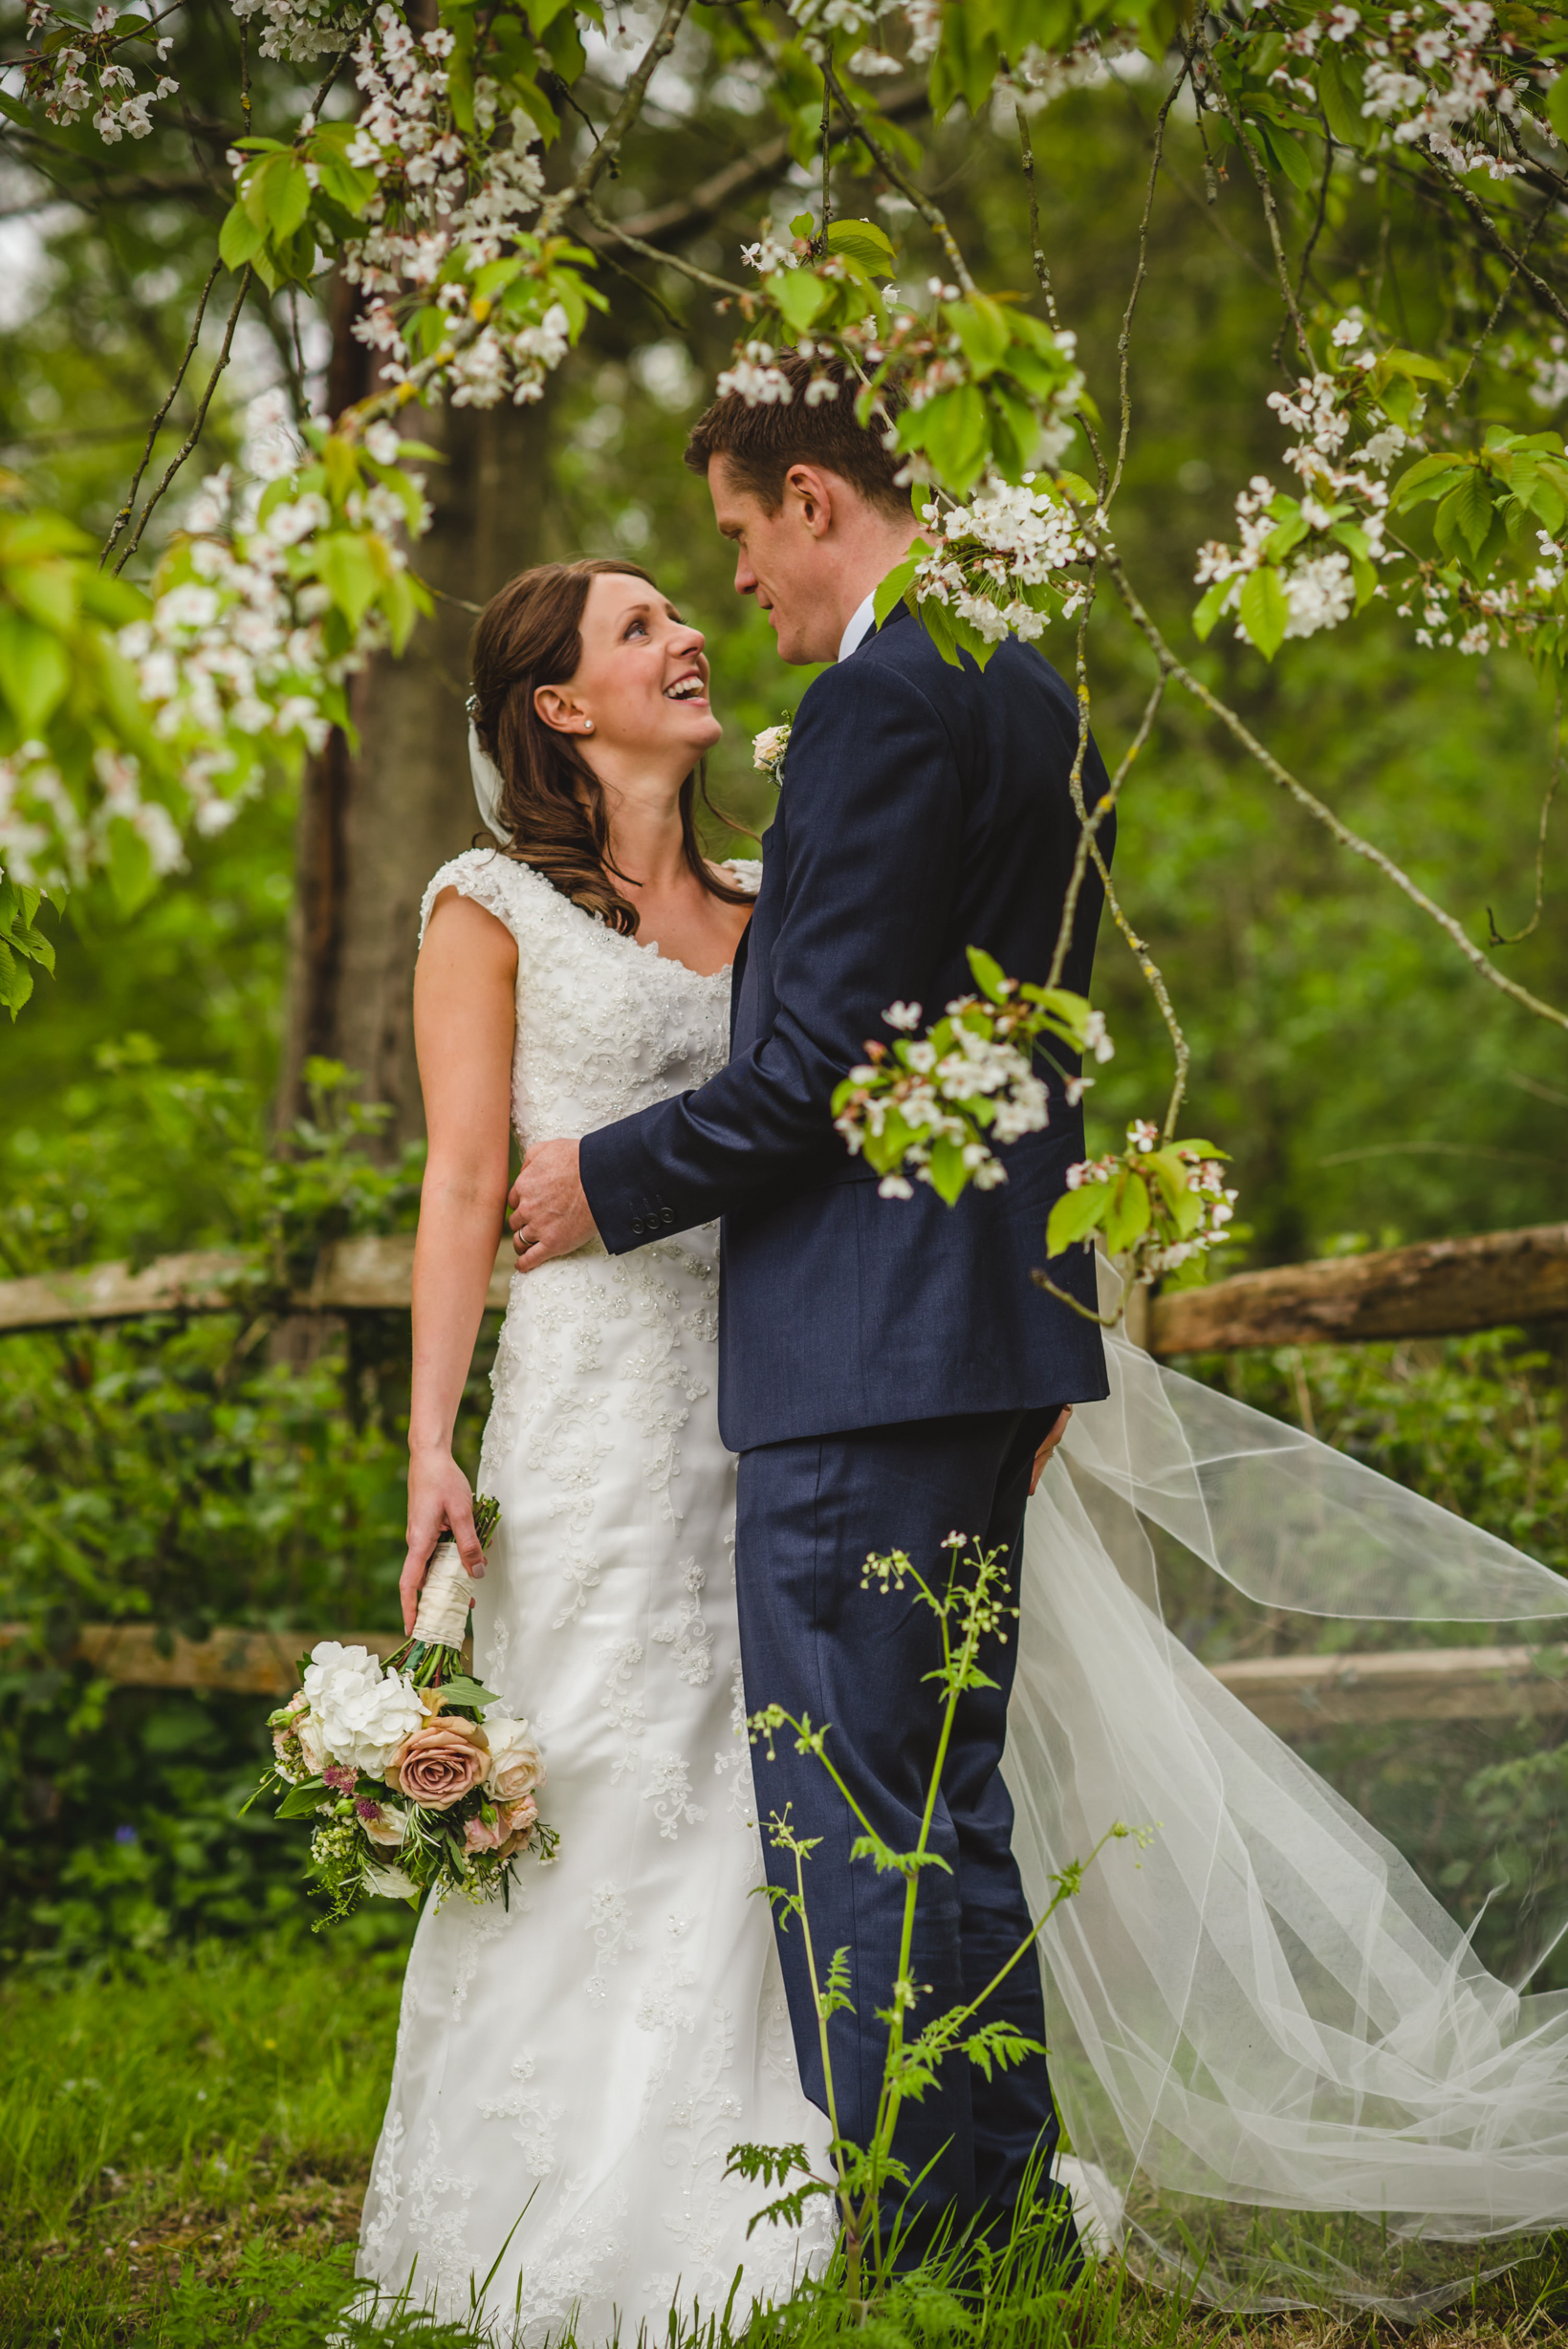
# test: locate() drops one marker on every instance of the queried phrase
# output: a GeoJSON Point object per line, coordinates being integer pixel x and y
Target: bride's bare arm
{"type": "Point", "coordinates": [465, 1017]}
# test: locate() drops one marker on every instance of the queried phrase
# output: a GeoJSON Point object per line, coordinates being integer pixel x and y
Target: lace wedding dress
{"type": "Point", "coordinates": [571, 2074]}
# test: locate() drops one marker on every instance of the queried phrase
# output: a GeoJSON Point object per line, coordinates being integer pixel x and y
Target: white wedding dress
{"type": "Point", "coordinates": [572, 2074]}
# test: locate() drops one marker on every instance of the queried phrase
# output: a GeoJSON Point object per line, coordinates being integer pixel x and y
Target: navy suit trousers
{"type": "Point", "coordinates": [815, 1641]}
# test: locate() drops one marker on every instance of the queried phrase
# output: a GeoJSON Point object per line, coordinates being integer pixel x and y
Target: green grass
{"type": "Point", "coordinates": [185, 2142]}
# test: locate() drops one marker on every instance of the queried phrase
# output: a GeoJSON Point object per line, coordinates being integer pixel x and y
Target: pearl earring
{"type": "Point", "coordinates": [588, 726]}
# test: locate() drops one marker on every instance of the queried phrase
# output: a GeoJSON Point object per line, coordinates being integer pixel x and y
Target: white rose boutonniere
{"type": "Point", "coordinates": [768, 751]}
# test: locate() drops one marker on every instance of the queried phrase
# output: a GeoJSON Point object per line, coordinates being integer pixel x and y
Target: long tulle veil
{"type": "Point", "coordinates": [1286, 2073]}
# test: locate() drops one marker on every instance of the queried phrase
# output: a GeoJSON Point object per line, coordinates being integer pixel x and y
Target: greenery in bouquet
{"type": "Point", "coordinates": [418, 1778]}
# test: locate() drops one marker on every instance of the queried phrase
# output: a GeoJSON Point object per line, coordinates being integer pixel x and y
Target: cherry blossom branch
{"type": "Point", "coordinates": [1123, 342]}
{"type": "Point", "coordinates": [1494, 236]}
{"type": "Point", "coordinates": [1271, 214]}
{"type": "Point", "coordinates": [123, 516]}
{"type": "Point", "coordinates": [1305, 799]}
{"type": "Point", "coordinates": [1154, 980]}
{"type": "Point", "coordinates": [195, 432]}
{"type": "Point", "coordinates": [1482, 338]}
{"type": "Point", "coordinates": [1087, 827]}
{"type": "Point", "coordinates": [625, 115]}
{"type": "Point", "coordinates": [1042, 271]}
{"type": "Point", "coordinates": [930, 213]}
{"type": "Point", "coordinates": [653, 252]}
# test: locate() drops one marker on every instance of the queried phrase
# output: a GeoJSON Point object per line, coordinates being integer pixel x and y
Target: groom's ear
{"type": "Point", "coordinates": [809, 491]}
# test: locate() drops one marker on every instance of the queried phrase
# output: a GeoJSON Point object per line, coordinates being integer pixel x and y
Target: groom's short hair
{"type": "Point", "coordinates": [760, 444]}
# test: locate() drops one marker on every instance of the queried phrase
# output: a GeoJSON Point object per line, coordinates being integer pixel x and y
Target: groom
{"type": "Point", "coordinates": [887, 1372]}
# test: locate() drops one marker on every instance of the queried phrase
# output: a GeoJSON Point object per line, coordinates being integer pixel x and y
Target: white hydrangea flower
{"type": "Point", "coordinates": [363, 1711]}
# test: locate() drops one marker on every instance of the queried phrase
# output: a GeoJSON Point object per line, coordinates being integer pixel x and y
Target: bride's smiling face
{"type": "Point", "coordinates": [640, 687]}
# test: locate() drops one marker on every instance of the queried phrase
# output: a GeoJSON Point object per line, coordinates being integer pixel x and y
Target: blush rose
{"type": "Point", "coordinates": [439, 1764]}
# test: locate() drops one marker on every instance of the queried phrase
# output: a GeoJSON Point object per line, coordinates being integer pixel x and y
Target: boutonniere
{"type": "Point", "coordinates": [768, 751]}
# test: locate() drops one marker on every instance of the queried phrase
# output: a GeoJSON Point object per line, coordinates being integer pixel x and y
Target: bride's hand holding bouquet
{"type": "Point", "coordinates": [440, 1509]}
{"type": "Point", "coordinates": [419, 1779]}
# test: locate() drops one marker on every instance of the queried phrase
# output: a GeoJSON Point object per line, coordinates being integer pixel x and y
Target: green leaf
{"type": "Point", "coordinates": [1284, 151]}
{"type": "Point", "coordinates": [46, 590]}
{"type": "Point", "coordinates": [1556, 106]}
{"type": "Point", "coordinates": [956, 432]}
{"type": "Point", "coordinates": [349, 570]}
{"type": "Point", "coordinates": [1465, 513]}
{"type": "Point", "coordinates": [862, 242]}
{"type": "Point", "coordinates": [1285, 535]}
{"type": "Point", "coordinates": [982, 328]}
{"type": "Point", "coordinates": [1265, 611]}
{"type": "Point", "coordinates": [240, 238]}
{"type": "Point", "coordinates": [1074, 1215]}
{"type": "Point", "coordinates": [131, 875]}
{"type": "Point", "coordinates": [1425, 476]}
{"type": "Point", "coordinates": [1131, 1213]}
{"type": "Point", "coordinates": [937, 623]}
{"type": "Point", "coordinates": [892, 589]}
{"type": "Point", "coordinates": [1413, 364]}
{"type": "Point", "coordinates": [1341, 102]}
{"type": "Point", "coordinates": [800, 294]}
{"type": "Point", "coordinates": [35, 671]}
{"type": "Point", "coordinates": [301, 1800]}
{"type": "Point", "coordinates": [1209, 606]}
{"type": "Point", "coordinates": [15, 981]}
{"type": "Point", "coordinates": [465, 1692]}
{"type": "Point", "coordinates": [287, 197]}
{"type": "Point", "coordinates": [949, 1176]}
{"type": "Point", "coordinates": [989, 975]}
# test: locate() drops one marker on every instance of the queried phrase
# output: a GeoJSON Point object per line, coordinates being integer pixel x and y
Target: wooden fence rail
{"type": "Point", "coordinates": [1439, 1287]}
{"type": "Point", "coordinates": [1295, 1695]}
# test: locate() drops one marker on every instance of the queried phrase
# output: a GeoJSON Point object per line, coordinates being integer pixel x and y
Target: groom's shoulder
{"type": "Point", "coordinates": [902, 646]}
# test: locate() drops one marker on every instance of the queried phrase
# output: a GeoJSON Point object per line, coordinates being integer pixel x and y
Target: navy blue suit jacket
{"type": "Point", "coordinates": [923, 809]}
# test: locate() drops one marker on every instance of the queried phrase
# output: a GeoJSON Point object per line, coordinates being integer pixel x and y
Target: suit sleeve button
{"type": "Point", "coordinates": [637, 1224]}
{"type": "Point", "coordinates": [669, 1215]}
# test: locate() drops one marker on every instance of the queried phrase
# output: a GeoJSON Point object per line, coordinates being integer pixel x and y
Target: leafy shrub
{"type": "Point", "coordinates": [237, 1468]}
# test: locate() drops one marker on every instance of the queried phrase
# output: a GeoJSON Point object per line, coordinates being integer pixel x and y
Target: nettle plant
{"type": "Point", "coordinates": [868, 2185]}
{"type": "Point", "coordinates": [442, 165]}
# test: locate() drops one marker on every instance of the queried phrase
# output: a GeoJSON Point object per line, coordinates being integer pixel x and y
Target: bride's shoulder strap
{"type": "Point", "coordinates": [746, 873]}
{"type": "Point", "coordinates": [493, 880]}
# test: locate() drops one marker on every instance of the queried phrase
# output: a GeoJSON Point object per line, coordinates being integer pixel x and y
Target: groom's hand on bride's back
{"type": "Point", "coordinates": [550, 1215]}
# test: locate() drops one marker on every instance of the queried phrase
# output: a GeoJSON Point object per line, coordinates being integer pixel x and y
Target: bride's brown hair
{"type": "Point", "coordinates": [551, 802]}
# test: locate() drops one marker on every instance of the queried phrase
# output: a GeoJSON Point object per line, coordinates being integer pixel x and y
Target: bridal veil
{"type": "Point", "coordinates": [1286, 2073]}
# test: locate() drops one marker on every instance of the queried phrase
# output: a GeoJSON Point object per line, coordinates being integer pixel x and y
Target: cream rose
{"type": "Point", "coordinates": [516, 1766]}
{"type": "Point", "coordinates": [382, 1822]}
{"type": "Point", "coordinates": [390, 1882]}
{"type": "Point", "coordinates": [312, 1744]}
{"type": "Point", "coordinates": [439, 1763]}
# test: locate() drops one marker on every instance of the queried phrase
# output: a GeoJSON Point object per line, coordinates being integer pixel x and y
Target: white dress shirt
{"type": "Point", "coordinates": [862, 620]}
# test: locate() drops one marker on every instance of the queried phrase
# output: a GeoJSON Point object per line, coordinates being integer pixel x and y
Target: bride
{"type": "Point", "coordinates": [1286, 2075]}
{"type": "Point", "coordinates": [572, 2073]}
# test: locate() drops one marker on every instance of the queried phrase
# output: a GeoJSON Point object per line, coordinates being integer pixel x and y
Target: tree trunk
{"type": "Point", "coordinates": [374, 823]}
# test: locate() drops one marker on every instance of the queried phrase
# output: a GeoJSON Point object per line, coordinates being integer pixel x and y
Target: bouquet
{"type": "Point", "coordinates": [419, 1779]}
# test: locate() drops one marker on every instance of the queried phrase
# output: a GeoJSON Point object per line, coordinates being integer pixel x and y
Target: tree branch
{"type": "Point", "coordinates": [195, 433]}
{"type": "Point", "coordinates": [930, 213]}
{"type": "Point", "coordinates": [1123, 342]}
{"type": "Point", "coordinates": [1303, 798]}
{"type": "Point", "coordinates": [1495, 238]}
{"type": "Point", "coordinates": [608, 228]}
{"type": "Point", "coordinates": [122, 517]}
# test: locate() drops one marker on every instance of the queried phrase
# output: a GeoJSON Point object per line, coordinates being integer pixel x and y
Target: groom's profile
{"type": "Point", "coordinates": [889, 1372]}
